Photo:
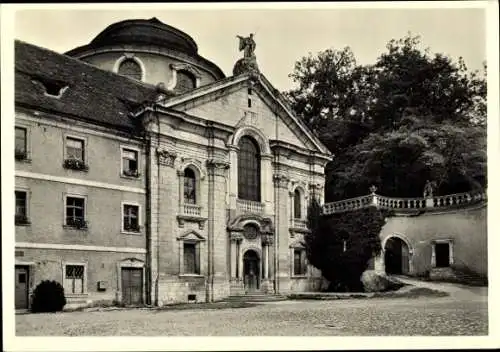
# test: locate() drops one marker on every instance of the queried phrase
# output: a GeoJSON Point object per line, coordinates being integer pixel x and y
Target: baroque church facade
{"type": "Point", "coordinates": [145, 175]}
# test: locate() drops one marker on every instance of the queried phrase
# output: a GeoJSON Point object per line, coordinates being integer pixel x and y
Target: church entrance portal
{"type": "Point", "coordinates": [251, 270]}
{"type": "Point", "coordinates": [397, 256]}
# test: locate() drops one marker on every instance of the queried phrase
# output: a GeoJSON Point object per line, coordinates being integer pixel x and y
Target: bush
{"type": "Point", "coordinates": [48, 296]}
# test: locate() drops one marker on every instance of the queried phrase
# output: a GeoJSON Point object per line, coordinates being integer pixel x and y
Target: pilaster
{"type": "Point", "coordinates": [281, 181]}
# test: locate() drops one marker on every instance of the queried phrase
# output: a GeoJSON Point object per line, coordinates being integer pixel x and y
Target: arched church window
{"type": "Point", "coordinates": [297, 205]}
{"type": "Point", "coordinates": [130, 68]}
{"type": "Point", "coordinates": [189, 186]}
{"type": "Point", "coordinates": [248, 170]}
{"type": "Point", "coordinates": [185, 81]}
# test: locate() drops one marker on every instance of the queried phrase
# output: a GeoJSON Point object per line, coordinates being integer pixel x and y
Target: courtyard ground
{"type": "Point", "coordinates": [463, 312]}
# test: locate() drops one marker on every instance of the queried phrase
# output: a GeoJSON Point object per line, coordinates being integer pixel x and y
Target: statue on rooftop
{"type": "Point", "coordinates": [247, 44]}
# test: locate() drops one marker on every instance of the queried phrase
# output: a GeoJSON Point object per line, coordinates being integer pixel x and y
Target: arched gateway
{"type": "Point", "coordinates": [396, 256]}
{"type": "Point", "coordinates": [251, 270]}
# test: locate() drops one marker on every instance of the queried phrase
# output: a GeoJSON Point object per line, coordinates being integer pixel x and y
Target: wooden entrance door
{"type": "Point", "coordinates": [21, 282]}
{"type": "Point", "coordinates": [132, 286]}
{"type": "Point", "coordinates": [251, 270]}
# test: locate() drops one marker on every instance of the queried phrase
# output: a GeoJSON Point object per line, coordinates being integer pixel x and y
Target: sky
{"type": "Point", "coordinates": [283, 33]}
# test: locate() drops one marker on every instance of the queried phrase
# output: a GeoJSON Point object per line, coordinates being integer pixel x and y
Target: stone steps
{"type": "Point", "coordinates": [255, 297]}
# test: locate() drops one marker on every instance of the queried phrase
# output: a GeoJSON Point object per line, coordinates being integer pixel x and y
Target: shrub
{"type": "Point", "coordinates": [379, 282]}
{"type": "Point", "coordinates": [48, 296]}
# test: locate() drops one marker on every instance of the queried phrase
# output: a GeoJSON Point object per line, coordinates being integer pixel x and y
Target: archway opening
{"type": "Point", "coordinates": [251, 270]}
{"type": "Point", "coordinates": [396, 256]}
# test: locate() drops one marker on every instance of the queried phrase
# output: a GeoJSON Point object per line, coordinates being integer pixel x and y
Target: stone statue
{"type": "Point", "coordinates": [247, 44]}
{"type": "Point", "coordinates": [429, 189]}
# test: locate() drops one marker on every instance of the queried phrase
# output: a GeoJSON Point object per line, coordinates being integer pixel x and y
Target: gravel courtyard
{"type": "Point", "coordinates": [464, 312]}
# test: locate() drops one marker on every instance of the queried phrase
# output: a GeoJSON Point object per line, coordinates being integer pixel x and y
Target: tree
{"type": "Point", "coordinates": [341, 245]}
{"type": "Point", "coordinates": [407, 118]}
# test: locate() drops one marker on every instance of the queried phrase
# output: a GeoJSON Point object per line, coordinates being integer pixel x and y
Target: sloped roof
{"type": "Point", "coordinates": [93, 94]}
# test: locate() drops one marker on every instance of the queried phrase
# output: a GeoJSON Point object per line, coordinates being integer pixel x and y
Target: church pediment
{"type": "Point", "coordinates": [249, 101]}
{"type": "Point", "coordinates": [191, 236]}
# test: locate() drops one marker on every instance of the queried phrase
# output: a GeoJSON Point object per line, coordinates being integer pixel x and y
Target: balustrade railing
{"type": "Point", "coordinates": [300, 223]}
{"type": "Point", "coordinates": [192, 209]}
{"type": "Point", "coordinates": [405, 204]}
{"type": "Point", "coordinates": [249, 206]}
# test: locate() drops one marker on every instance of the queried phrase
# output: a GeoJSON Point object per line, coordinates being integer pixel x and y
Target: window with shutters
{"type": "Point", "coordinates": [248, 170]}
{"type": "Point", "coordinates": [74, 279]}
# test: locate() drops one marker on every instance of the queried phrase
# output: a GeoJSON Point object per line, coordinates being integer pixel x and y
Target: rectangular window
{"type": "Point", "coordinates": [20, 143]}
{"type": "Point", "coordinates": [191, 259]}
{"type": "Point", "coordinates": [442, 255]}
{"type": "Point", "coordinates": [130, 164]}
{"type": "Point", "coordinates": [75, 149]}
{"type": "Point", "coordinates": [131, 218]}
{"type": "Point", "coordinates": [75, 212]}
{"type": "Point", "coordinates": [299, 262]}
{"type": "Point", "coordinates": [74, 279]}
{"type": "Point", "coordinates": [21, 215]}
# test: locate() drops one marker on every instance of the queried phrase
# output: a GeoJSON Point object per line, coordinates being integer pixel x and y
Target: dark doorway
{"type": "Point", "coordinates": [21, 282]}
{"type": "Point", "coordinates": [397, 256]}
{"type": "Point", "coordinates": [132, 286]}
{"type": "Point", "coordinates": [251, 270]}
{"type": "Point", "coordinates": [442, 255]}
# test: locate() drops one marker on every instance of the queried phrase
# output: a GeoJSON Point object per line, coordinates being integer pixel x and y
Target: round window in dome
{"type": "Point", "coordinates": [185, 81]}
{"type": "Point", "coordinates": [130, 68]}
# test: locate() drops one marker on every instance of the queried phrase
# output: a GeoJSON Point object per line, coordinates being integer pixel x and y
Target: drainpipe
{"type": "Point", "coordinates": [147, 172]}
{"type": "Point", "coordinates": [157, 289]}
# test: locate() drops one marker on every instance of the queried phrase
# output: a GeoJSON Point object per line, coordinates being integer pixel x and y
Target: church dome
{"type": "Point", "coordinates": [150, 32]}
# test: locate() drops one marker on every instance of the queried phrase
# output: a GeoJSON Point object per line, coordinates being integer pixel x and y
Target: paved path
{"type": "Point", "coordinates": [464, 312]}
{"type": "Point", "coordinates": [456, 291]}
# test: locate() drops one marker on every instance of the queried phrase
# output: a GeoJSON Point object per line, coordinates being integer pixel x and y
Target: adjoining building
{"type": "Point", "coordinates": [145, 175]}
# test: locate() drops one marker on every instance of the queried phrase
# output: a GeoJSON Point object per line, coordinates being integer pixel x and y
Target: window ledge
{"type": "Point", "coordinates": [23, 224]}
{"type": "Point", "coordinates": [76, 295]}
{"type": "Point", "coordinates": [182, 218]}
{"type": "Point", "coordinates": [191, 275]}
{"type": "Point", "coordinates": [26, 160]}
{"type": "Point", "coordinates": [134, 178]}
{"type": "Point", "coordinates": [299, 276]}
{"type": "Point", "coordinates": [68, 227]}
{"type": "Point", "coordinates": [138, 233]}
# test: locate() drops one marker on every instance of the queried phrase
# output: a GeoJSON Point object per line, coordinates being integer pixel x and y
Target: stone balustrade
{"type": "Point", "coordinates": [249, 206]}
{"type": "Point", "coordinates": [300, 223]}
{"type": "Point", "coordinates": [405, 204]}
{"type": "Point", "coordinates": [192, 209]}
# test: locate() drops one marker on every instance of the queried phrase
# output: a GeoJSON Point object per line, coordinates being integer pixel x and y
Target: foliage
{"type": "Point", "coordinates": [48, 296]}
{"type": "Point", "coordinates": [407, 118]}
{"type": "Point", "coordinates": [341, 245]}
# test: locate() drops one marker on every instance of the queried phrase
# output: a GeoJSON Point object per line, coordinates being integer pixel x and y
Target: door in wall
{"type": "Point", "coordinates": [21, 282]}
{"type": "Point", "coordinates": [132, 286]}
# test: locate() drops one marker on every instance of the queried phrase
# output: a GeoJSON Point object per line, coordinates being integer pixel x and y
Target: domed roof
{"type": "Point", "coordinates": [151, 32]}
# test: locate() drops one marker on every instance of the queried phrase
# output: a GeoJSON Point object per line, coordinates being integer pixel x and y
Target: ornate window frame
{"type": "Point", "coordinates": [191, 212]}
{"type": "Point", "coordinates": [183, 67]}
{"type": "Point", "coordinates": [198, 240]}
{"type": "Point", "coordinates": [133, 57]}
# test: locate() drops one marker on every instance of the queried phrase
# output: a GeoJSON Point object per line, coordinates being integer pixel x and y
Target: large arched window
{"type": "Point", "coordinates": [185, 81]}
{"type": "Point", "coordinates": [189, 186]}
{"type": "Point", "coordinates": [130, 68]}
{"type": "Point", "coordinates": [248, 170]}
{"type": "Point", "coordinates": [297, 205]}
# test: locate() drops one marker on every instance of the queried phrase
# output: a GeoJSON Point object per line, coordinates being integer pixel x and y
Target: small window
{"type": "Point", "coordinates": [20, 143]}
{"type": "Point", "coordinates": [191, 258]}
{"type": "Point", "coordinates": [442, 255]}
{"type": "Point", "coordinates": [249, 102]}
{"type": "Point", "coordinates": [299, 262]}
{"type": "Point", "coordinates": [75, 154]}
{"type": "Point", "coordinates": [130, 166]}
{"type": "Point", "coordinates": [189, 186]}
{"type": "Point", "coordinates": [297, 205]}
{"type": "Point", "coordinates": [130, 68]}
{"type": "Point", "coordinates": [74, 279]}
{"type": "Point", "coordinates": [250, 92]}
{"type": "Point", "coordinates": [21, 215]}
{"type": "Point", "coordinates": [75, 212]}
{"type": "Point", "coordinates": [131, 218]}
{"type": "Point", "coordinates": [185, 81]}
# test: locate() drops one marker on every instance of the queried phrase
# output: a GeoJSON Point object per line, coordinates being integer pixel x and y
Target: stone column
{"type": "Point", "coordinates": [265, 181]}
{"type": "Point", "coordinates": [240, 260]}
{"type": "Point", "coordinates": [266, 261]}
{"type": "Point", "coordinates": [433, 255]}
{"type": "Point", "coordinates": [282, 271]}
{"type": "Point", "coordinates": [233, 176]}
{"type": "Point", "coordinates": [234, 258]}
{"type": "Point", "coordinates": [218, 278]}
